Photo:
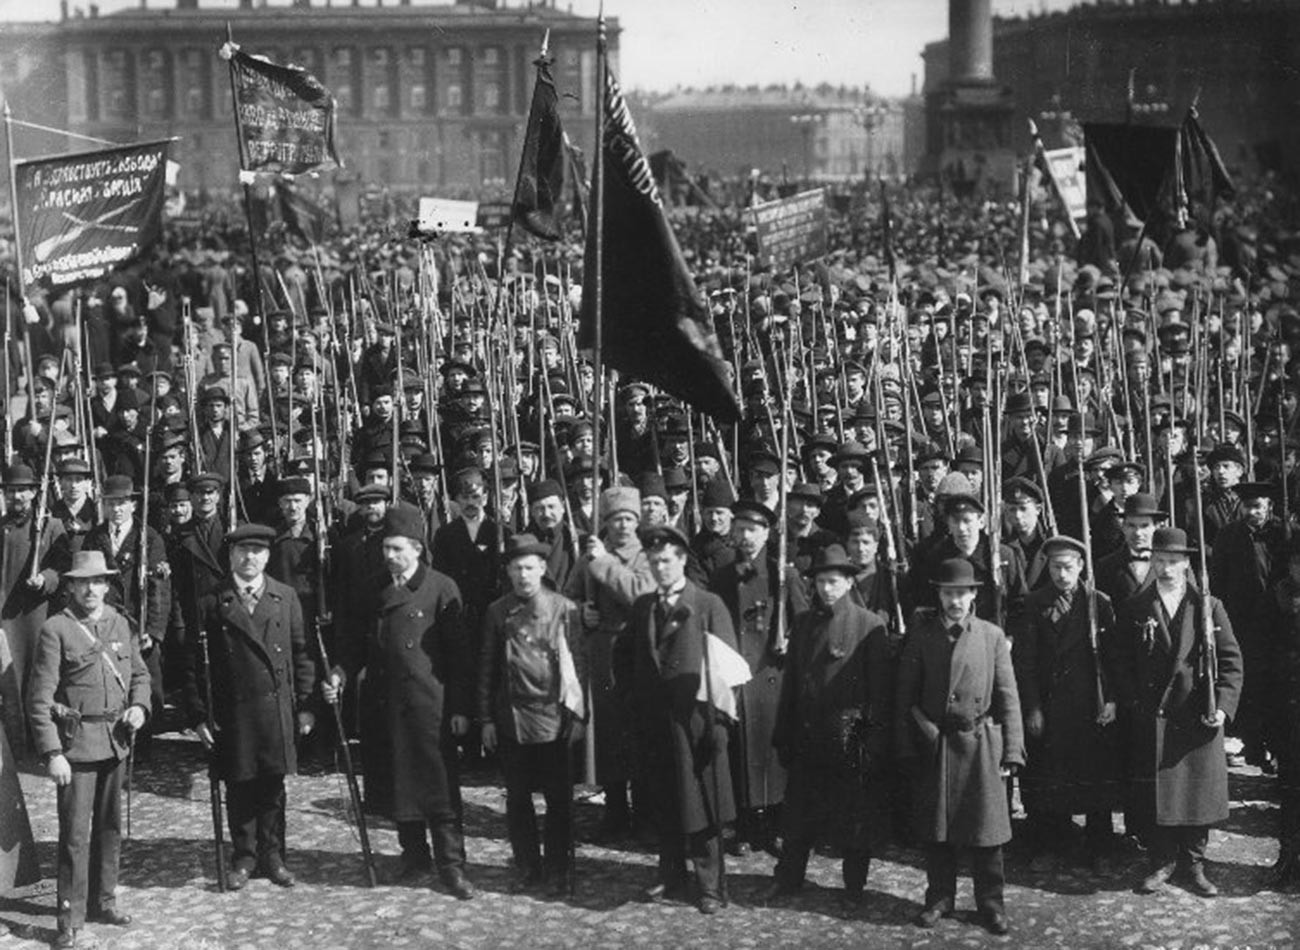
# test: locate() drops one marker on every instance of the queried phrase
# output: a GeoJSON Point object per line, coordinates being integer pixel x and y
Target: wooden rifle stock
{"type": "Point", "coordinates": [214, 780]}
{"type": "Point", "coordinates": [1209, 661]}
{"type": "Point", "coordinates": [1090, 591]}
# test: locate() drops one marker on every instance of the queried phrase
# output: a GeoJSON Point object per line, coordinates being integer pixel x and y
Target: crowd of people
{"type": "Point", "coordinates": [989, 527]}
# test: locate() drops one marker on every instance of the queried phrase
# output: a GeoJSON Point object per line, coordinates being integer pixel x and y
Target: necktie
{"type": "Point", "coordinates": [248, 594]}
{"type": "Point", "coordinates": [954, 631]}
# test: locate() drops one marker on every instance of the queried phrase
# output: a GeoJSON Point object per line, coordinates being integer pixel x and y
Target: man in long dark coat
{"type": "Point", "coordinates": [1249, 560]}
{"type": "Point", "coordinates": [1127, 569]}
{"type": "Point", "coordinates": [681, 738]}
{"type": "Point", "coordinates": [1073, 753]}
{"type": "Point", "coordinates": [261, 681]}
{"type": "Point", "coordinates": [832, 729]}
{"type": "Point", "coordinates": [751, 589]}
{"type": "Point", "coordinates": [1179, 774]}
{"type": "Point", "coordinates": [415, 701]}
{"type": "Point", "coordinates": [958, 732]}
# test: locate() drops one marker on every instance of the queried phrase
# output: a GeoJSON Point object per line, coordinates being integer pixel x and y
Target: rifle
{"type": "Point", "coordinates": [1208, 663]}
{"type": "Point", "coordinates": [1090, 589]}
{"type": "Point", "coordinates": [214, 780]}
{"type": "Point", "coordinates": [896, 562]}
{"type": "Point", "coordinates": [710, 721]}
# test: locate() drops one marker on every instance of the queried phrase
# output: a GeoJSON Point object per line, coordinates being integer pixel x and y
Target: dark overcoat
{"type": "Point", "coordinates": [682, 759]}
{"type": "Point", "coordinates": [23, 609]}
{"type": "Point", "coordinates": [261, 676]}
{"type": "Point", "coordinates": [839, 666]}
{"type": "Point", "coordinates": [1074, 766]}
{"type": "Point", "coordinates": [418, 675]}
{"type": "Point", "coordinates": [1177, 762]}
{"type": "Point", "coordinates": [751, 591]}
{"type": "Point", "coordinates": [957, 716]}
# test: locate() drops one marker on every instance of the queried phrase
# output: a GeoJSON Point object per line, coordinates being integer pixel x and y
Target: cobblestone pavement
{"type": "Point", "coordinates": [167, 884]}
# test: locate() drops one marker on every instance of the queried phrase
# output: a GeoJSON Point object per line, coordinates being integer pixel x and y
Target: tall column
{"type": "Point", "coordinates": [970, 40]}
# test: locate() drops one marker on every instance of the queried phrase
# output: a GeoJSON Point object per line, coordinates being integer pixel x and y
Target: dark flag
{"type": "Point", "coordinates": [581, 183]}
{"type": "Point", "coordinates": [300, 214]}
{"type": "Point", "coordinates": [284, 116]}
{"type": "Point", "coordinates": [655, 323]}
{"type": "Point", "coordinates": [83, 215]}
{"type": "Point", "coordinates": [539, 192]}
{"type": "Point", "coordinates": [1204, 177]}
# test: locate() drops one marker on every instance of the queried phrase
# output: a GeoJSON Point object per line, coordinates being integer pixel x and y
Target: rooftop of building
{"type": "Point", "coordinates": [825, 97]}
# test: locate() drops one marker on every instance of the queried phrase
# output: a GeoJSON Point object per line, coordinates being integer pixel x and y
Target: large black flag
{"type": "Point", "coordinates": [539, 192]}
{"type": "Point", "coordinates": [655, 323]}
{"type": "Point", "coordinates": [285, 117]}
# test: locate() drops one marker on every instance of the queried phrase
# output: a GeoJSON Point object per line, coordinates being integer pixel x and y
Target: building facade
{"type": "Point", "coordinates": [431, 97]}
{"type": "Point", "coordinates": [1237, 59]}
{"type": "Point", "coordinates": [819, 134]}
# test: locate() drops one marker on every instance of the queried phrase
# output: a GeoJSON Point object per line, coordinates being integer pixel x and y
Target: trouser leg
{"type": "Point", "coordinates": [76, 802]}
{"type": "Point", "coordinates": [706, 855]}
{"type": "Point", "coordinates": [854, 868]}
{"type": "Point", "coordinates": [242, 803]}
{"type": "Point", "coordinates": [559, 806]}
{"type": "Point", "coordinates": [413, 839]}
{"type": "Point", "coordinates": [271, 821]}
{"type": "Point", "coordinates": [940, 875]}
{"type": "Point", "coordinates": [448, 843]}
{"type": "Point", "coordinates": [106, 835]}
{"type": "Point", "coordinates": [990, 879]}
{"type": "Point", "coordinates": [1098, 830]}
{"type": "Point", "coordinates": [1191, 842]}
{"type": "Point", "coordinates": [521, 817]}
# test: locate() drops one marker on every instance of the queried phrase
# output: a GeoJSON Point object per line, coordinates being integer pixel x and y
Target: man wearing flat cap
{"type": "Point", "coordinates": [751, 587]}
{"type": "Point", "coordinates": [681, 738]}
{"type": "Point", "coordinates": [958, 732]}
{"type": "Point", "coordinates": [612, 573]}
{"type": "Point", "coordinates": [1220, 503]}
{"type": "Point", "coordinates": [89, 691]}
{"type": "Point", "coordinates": [261, 679]}
{"type": "Point", "coordinates": [529, 704]}
{"type": "Point", "coordinates": [1066, 683]}
{"type": "Point", "coordinates": [416, 701]}
{"type": "Point", "coordinates": [832, 729]}
{"type": "Point", "coordinates": [1179, 696]}
{"type": "Point", "coordinates": [215, 432]}
{"type": "Point", "coordinates": [1248, 561]}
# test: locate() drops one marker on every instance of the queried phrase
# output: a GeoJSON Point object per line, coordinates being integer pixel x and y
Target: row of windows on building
{"type": "Point", "coordinates": [451, 80]}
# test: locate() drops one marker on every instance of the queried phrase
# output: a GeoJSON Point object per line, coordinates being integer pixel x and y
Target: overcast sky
{"type": "Point", "coordinates": [667, 43]}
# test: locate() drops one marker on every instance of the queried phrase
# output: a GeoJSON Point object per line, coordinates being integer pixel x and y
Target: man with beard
{"type": "Point", "coordinates": [547, 524]}
{"type": "Point", "coordinates": [415, 703]}
{"type": "Point", "coordinates": [1249, 559]}
{"type": "Point", "coordinates": [832, 730]}
{"type": "Point", "coordinates": [751, 589]}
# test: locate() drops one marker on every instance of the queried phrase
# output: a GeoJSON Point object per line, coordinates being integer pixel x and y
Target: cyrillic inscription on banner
{"type": "Point", "coordinates": [792, 229]}
{"type": "Point", "coordinates": [286, 117]}
{"type": "Point", "coordinates": [1067, 167]}
{"type": "Point", "coordinates": [85, 214]}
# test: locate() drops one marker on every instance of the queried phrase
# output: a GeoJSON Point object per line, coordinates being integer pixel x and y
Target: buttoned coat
{"type": "Point", "coordinates": [1074, 766]}
{"type": "Point", "coordinates": [261, 676]}
{"type": "Point", "coordinates": [682, 759]}
{"type": "Point", "coordinates": [419, 674]}
{"type": "Point", "coordinates": [957, 716]}
{"type": "Point", "coordinates": [124, 587]}
{"type": "Point", "coordinates": [1177, 762]}
{"type": "Point", "coordinates": [751, 591]}
{"type": "Point", "coordinates": [1117, 579]}
{"type": "Point", "coordinates": [71, 666]}
{"type": "Point", "coordinates": [22, 609]}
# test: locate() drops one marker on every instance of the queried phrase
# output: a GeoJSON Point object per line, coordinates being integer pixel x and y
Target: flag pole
{"type": "Point", "coordinates": [252, 251]}
{"type": "Point", "coordinates": [596, 278]}
{"type": "Point", "coordinates": [18, 258]}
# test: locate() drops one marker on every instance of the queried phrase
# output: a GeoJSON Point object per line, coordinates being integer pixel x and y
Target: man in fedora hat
{"type": "Point", "coordinates": [1248, 561]}
{"type": "Point", "coordinates": [529, 699]}
{"type": "Point", "coordinates": [832, 729]}
{"type": "Point", "coordinates": [1128, 568]}
{"type": "Point", "coordinates": [416, 701]}
{"type": "Point", "coordinates": [1178, 771]}
{"type": "Point", "coordinates": [118, 538]}
{"type": "Point", "coordinates": [1067, 696]}
{"type": "Point", "coordinates": [257, 489]}
{"type": "Point", "coordinates": [89, 691]}
{"type": "Point", "coordinates": [26, 588]}
{"type": "Point", "coordinates": [958, 732]}
{"type": "Point", "coordinates": [261, 678]}
{"type": "Point", "coordinates": [607, 580]}
{"type": "Point", "coordinates": [751, 587]}
{"type": "Point", "coordinates": [75, 507]}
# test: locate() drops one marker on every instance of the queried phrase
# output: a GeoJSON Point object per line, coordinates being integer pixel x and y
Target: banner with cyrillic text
{"type": "Point", "coordinates": [285, 116]}
{"type": "Point", "coordinates": [83, 215]}
{"type": "Point", "coordinates": [792, 229]}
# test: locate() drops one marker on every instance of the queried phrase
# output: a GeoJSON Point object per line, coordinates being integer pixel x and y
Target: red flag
{"type": "Point", "coordinates": [539, 191]}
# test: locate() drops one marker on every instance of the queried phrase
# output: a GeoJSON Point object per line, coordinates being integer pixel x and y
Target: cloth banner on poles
{"type": "Point", "coordinates": [286, 117]}
{"type": "Point", "coordinates": [82, 215]}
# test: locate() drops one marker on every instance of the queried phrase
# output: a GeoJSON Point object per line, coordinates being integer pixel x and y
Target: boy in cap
{"type": "Point", "coordinates": [958, 733]}
{"type": "Point", "coordinates": [529, 697]}
{"type": "Point", "coordinates": [89, 691]}
{"type": "Point", "coordinates": [1066, 683]}
{"type": "Point", "coordinates": [831, 730]}
{"type": "Point", "coordinates": [260, 676]}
